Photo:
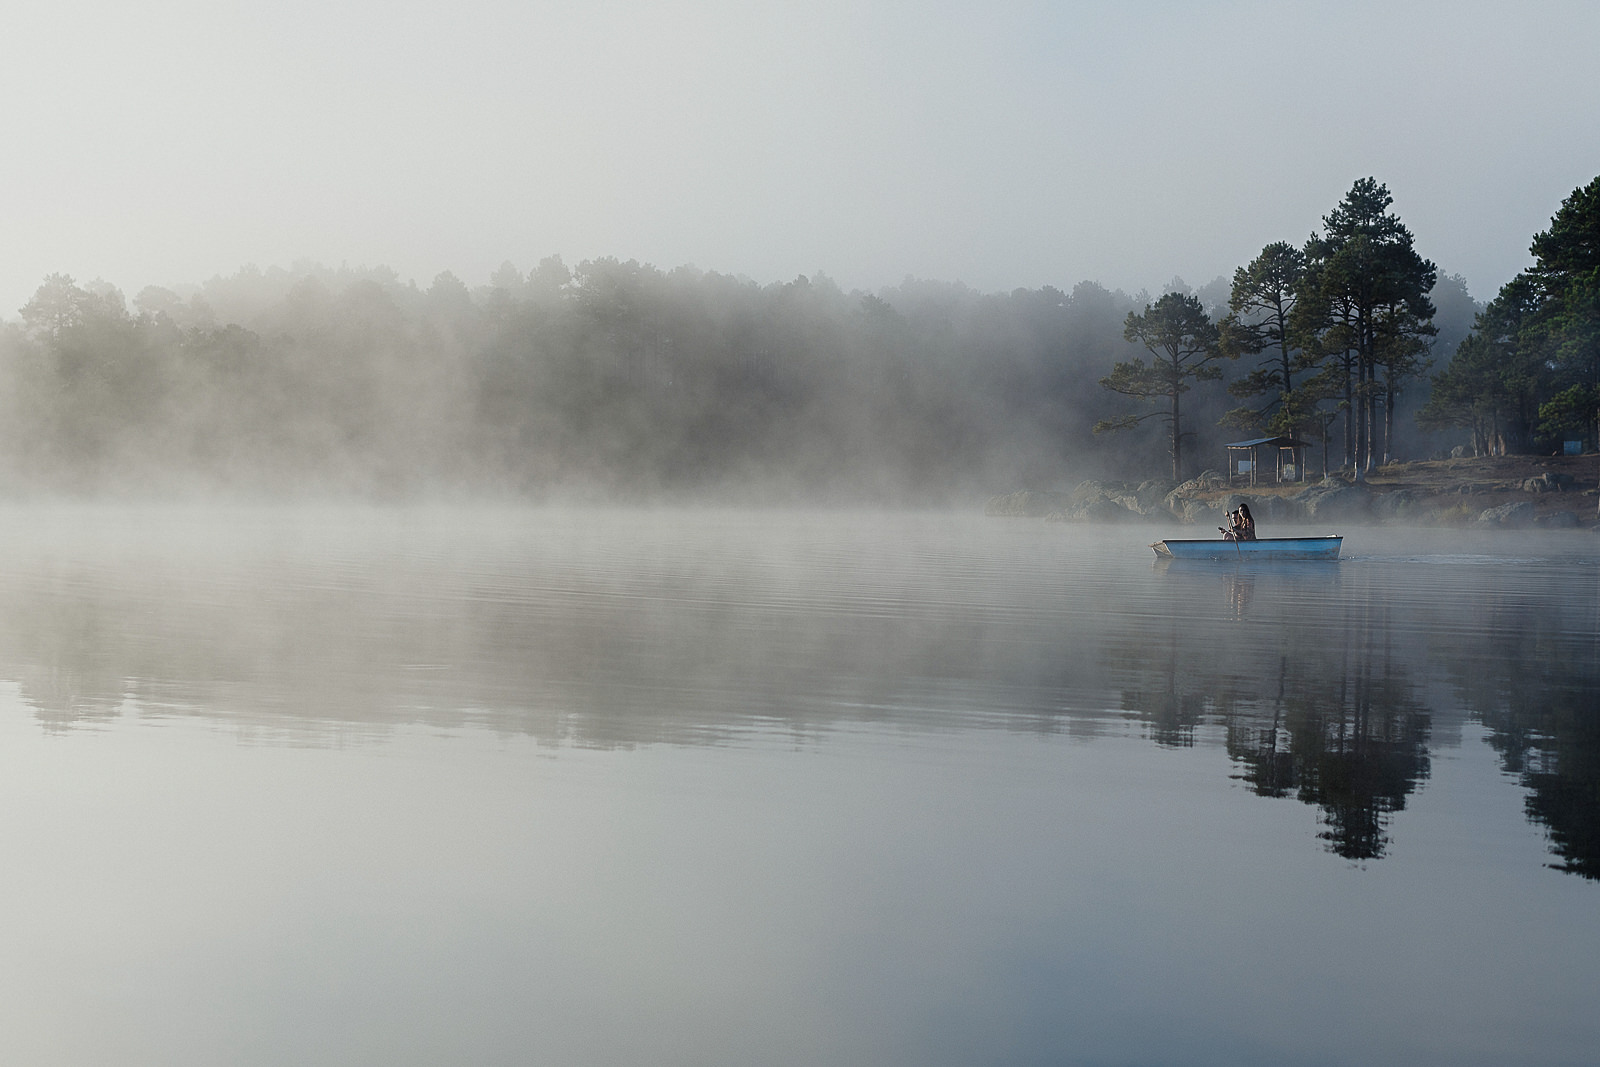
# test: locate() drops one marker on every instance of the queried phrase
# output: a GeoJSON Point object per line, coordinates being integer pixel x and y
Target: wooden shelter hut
{"type": "Point", "coordinates": [1280, 459]}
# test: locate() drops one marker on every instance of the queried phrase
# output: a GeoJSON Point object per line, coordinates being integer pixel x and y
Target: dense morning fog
{"type": "Point", "coordinates": [701, 532]}
{"type": "Point", "coordinates": [605, 381]}
{"type": "Point", "coordinates": [616, 379]}
{"type": "Point", "coordinates": [875, 252]}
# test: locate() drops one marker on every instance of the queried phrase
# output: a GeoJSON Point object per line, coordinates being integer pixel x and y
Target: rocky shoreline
{"type": "Point", "coordinates": [1555, 492]}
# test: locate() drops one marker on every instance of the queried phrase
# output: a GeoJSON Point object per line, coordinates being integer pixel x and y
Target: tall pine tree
{"type": "Point", "coordinates": [1363, 301]}
{"type": "Point", "coordinates": [1183, 340]}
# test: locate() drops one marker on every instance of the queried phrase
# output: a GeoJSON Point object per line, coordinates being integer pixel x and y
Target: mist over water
{"type": "Point", "coordinates": [600, 660]}
{"type": "Point", "coordinates": [606, 381]}
{"type": "Point", "coordinates": [594, 785]}
{"type": "Point", "coordinates": [610, 381]}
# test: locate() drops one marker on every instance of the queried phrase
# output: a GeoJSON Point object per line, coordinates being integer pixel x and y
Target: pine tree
{"type": "Point", "coordinates": [1185, 344]}
{"type": "Point", "coordinates": [1363, 301]}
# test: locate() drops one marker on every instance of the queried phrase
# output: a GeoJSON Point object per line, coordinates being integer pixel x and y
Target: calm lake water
{"type": "Point", "coordinates": [511, 786]}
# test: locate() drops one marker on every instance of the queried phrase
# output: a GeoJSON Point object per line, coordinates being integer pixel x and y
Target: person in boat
{"type": "Point", "coordinates": [1241, 525]}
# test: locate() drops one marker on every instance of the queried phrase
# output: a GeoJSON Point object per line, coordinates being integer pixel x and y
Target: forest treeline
{"type": "Point", "coordinates": [614, 379]}
{"type": "Point", "coordinates": [611, 379]}
{"type": "Point", "coordinates": [1528, 378]}
{"type": "Point", "coordinates": [1342, 329]}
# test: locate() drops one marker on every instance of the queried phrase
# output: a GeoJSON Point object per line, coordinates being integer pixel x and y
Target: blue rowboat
{"type": "Point", "coordinates": [1265, 549]}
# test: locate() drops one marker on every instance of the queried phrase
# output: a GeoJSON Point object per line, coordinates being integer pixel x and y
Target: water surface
{"type": "Point", "coordinates": [509, 786]}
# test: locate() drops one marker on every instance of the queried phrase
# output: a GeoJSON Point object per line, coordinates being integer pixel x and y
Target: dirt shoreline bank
{"type": "Point", "coordinates": [1558, 492]}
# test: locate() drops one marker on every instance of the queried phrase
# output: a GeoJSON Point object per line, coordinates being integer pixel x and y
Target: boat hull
{"type": "Point", "coordinates": [1264, 549]}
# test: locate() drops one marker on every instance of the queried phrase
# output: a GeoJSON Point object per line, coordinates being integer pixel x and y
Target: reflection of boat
{"type": "Point", "coordinates": [1266, 548]}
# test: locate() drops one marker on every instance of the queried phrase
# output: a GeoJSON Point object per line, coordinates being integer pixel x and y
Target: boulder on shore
{"type": "Point", "coordinates": [1547, 482]}
{"type": "Point", "coordinates": [1399, 504]}
{"type": "Point", "coordinates": [1180, 499]}
{"type": "Point", "coordinates": [1152, 494]}
{"type": "Point", "coordinates": [1025, 504]}
{"type": "Point", "coordinates": [1335, 501]}
{"type": "Point", "coordinates": [1087, 490]}
{"type": "Point", "coordinates": [1096, 501]}
{"type": "Point", "coordinates": [1196, 512]}
{"type": "Point", "coordinates": [1559, 520]}
{"type": "Point", "coordinates": [1104, 509]}
{"type": "Point", "coordinates": [1276, 509]}
{"type": "Point", "coordinates": [1506, 515]}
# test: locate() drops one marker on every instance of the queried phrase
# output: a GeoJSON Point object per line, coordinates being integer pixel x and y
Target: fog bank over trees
{"type": "Point", "coordinates": [611, 380]}
{"type": "Point", "coordinates": [608, 380]}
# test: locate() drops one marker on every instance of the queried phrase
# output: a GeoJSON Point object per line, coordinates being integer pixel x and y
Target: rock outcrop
{"type": "Point", "coordinates": [1559, 520]}
{"type": "Point", "coordinates": [1400, 505]}
{"type": "Point", "coordinates": [1519, 514]}
{"type": "Point", "coordinates": [1547, 492]}
{"type": "Point", "coordinates": [1547, 482]}
{"type": "Point", "coordinates": [1025, 504]}
{"type": "Point", "coordinates": [1332, 500]}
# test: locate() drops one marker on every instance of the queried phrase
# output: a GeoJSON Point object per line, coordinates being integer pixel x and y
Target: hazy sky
{"type": "Point", "coordinates": [999, 144]}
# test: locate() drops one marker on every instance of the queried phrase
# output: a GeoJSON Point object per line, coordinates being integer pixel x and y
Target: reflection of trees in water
{"type": "Point", "coordinates": [1563, 776]}
{"type": "Point", "coordinates": [1314, 707]}
{"type": "Point", "coordinates": [1357, 753]}
{"type": "Point", "coordinates": [694, 649]}
{"type": "Point", "coordinates": [65, 677]}
{"type": "Point", "coordinates": [1169, 704]}
{"type": "Point", "coordinates": [1536, 687]}
{"type": "Point", "coordinates": [1266, 752]}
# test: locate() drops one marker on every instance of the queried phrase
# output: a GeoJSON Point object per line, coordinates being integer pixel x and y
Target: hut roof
{"type": "Point", "coordinates": [1281, 442]}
